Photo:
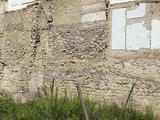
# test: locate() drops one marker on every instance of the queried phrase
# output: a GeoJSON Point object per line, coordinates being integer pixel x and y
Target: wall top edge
{"type": "Point", "coordinates": [131, 3]}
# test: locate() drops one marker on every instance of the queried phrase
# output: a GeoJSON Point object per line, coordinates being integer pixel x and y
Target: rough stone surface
{"type": "Point", "coordinates": [34, 50]}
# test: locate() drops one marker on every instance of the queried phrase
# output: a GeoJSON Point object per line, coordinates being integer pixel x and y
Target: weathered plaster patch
{"type": "Point", "coordinates": [134, 20]}
{"type": "Point", "coordinates": [155, 10]}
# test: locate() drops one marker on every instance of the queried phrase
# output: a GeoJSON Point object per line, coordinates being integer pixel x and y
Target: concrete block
{"type": "Point", "coordinates": [137, 36]}
{"type": "Point", "coordinates": [95, 16]}
{"type": "Point", "coordinates": [137, 12]}
{"type": "Point", "coordinates": [67, 12]}
{"type": "Point", "coordinates": [119, 1]}
{"type": "Point", "coordinates": [118, 28]}
{"type": "Point", "coordinates": [94, 7]}
{"type": "Point", "coordinates": [155, 34]}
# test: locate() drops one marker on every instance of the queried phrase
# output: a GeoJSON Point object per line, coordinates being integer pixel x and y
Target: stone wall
{"type": "Point", "coordinates": [35, 49]}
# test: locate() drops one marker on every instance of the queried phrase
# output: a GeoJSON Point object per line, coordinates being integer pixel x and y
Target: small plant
{"type": "Point", "coordinates": [50, 106]}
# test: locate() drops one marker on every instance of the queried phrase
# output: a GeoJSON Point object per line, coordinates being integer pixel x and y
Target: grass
{"type": "Point", "coordinates": [52, 107]}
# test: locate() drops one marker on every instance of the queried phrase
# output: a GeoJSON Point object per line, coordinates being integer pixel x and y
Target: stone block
{"type": "Point", "coordinates": [67, 12]}
{"type": "Point", "coordinates": [94, 7]}
{"type": "Point", "coordinates": [95, 16]}
{"type": "Point", "coordinates": [89, 2]}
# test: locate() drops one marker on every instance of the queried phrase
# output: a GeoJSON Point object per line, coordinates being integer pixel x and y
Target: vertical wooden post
{"type": "Point", "coordinates": [82, 102]}
{"type": "Point", "coordinates": [129, 95]}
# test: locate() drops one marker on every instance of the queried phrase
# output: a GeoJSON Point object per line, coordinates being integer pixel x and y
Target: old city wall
{"type": "Point", "coordinates": [37, 46]}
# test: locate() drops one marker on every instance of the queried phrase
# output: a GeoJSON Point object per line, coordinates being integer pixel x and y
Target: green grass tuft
{"type": "Point", "coordinates": [51, 107]}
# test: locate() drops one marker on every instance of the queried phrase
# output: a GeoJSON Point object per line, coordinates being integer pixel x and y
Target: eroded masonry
{"type": "Point", "coordinates": [105, 46]}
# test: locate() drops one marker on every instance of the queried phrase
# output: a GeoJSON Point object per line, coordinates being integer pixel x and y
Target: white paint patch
{"type": "Point", "coordinates": [119, 1]}
{"type": "Point", "coordinates": [18, 4]}
{"type": "Point", "coordinates": [17, 7]}
{"type": "Point", "coordinates": [155, 34]}
{"type": "Point", "coordinates": [14, 2]}
{"type": "Point", "coordinates": [118, 28]}
{"type": "Point", "coordinates": [27, 1]}
{"type": "Point", "coordinates": [95, 16]}
{"type": "Point", "coordinates": [137, 36]}
{"type": "Point", "coordinates": [3, 6]}
{"type": "Point", "coordinates": [138, 12]}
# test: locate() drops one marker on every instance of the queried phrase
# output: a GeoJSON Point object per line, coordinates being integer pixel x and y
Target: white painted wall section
{"type": "Point", "coordinates": [14, 5]}
{"type": "Point", "coordinates": [155, 34]}
{"type": "Point", "coordinates": [3, 7]}
{"type": "Point", "coordinates": [137, 36]}
{"type": "Point", "coordinates": [17, 4]}
{"type": "Point", "coordinates": [27, 1]}
{"type": "Point", "coordinates": [14, 2]}
{"type": "Point", "coordinates": [118, 28]}
{"type": "Point", "coordinates": [138, 12]}
{"type": "Point", "coordinates": [94, 16]}
{"type": "Point", "coordinates": [119, 1]}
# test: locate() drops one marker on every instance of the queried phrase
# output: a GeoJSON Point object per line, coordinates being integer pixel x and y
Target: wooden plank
{"type": "Point", "coordinates": [82, 102]}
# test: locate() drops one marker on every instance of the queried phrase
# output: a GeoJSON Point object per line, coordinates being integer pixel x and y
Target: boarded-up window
{"type": "Point", "coordinates": [130, 28]}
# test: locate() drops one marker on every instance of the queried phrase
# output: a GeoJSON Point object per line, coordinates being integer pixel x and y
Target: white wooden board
{"type": "Point", "coordinates": [137, 36]}
{"type": "Point", "coordinates": [138, 12]}
{"type": "Point", "coordinates": [118, 28]}
{"type": "Point", "coordinates": [155, 34]}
